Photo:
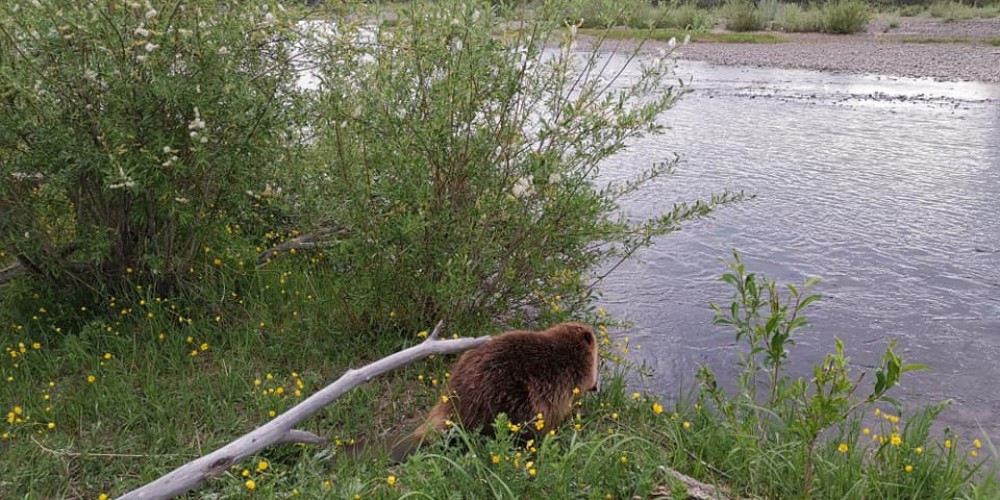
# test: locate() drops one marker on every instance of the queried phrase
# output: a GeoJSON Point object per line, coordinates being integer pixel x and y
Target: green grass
{"type": "Point", "coordinates": [667, 34]}
{"type": "Point", "coordinates": [949, 10]}
{"type": "Point", "coordinates": [156, 402]}
{"type": "Point", "coordinates": [995, 42]}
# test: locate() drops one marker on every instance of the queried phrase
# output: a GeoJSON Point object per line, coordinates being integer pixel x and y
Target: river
{"type": "Point", "coordinates": [886, 188]}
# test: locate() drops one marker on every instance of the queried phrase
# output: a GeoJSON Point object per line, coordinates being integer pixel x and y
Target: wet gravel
{"type": "Point", "coordinates": [880, 51]}
{"type": "Point", "coordinates": [932, 60]}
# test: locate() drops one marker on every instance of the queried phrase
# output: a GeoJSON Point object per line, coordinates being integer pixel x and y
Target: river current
{"type": "Point", "coordinates": [886, 188]}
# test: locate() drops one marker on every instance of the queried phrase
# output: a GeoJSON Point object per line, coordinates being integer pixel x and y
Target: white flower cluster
{"type": "Point", "coordinates": [523, 187]}
{"type": "Point", "coordinates": [125, 180]}
{"type": "Point", "coordinates": [196, 126]}
{"type": "Point", "coordinates": [167, 150]}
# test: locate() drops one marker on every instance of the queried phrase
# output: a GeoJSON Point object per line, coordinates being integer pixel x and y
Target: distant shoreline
{"type": "Point", "coordinates": [917, 48]}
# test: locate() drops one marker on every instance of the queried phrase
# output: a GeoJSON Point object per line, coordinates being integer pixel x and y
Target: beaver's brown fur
{"type": "Point", "coordinates": [519, 373]}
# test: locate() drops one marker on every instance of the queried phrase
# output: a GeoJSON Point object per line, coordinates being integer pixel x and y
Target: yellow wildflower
{"type": "Point", "coordinates": [842, 448]}
{"type": "Point", "coordinates": [495, 459]}
{"type": "Point", "coordinates": [657, 408]}
{"type": "Point", "coordinates": [947, 443]}
{"type": "Point", "coordinates": [91, 379]}
{"type": "Point", "coordinates": [908, 468]}
{"type": "Point", "coordinates": [635, 395]}
{"type": "Point", "coordinates": [919, 450]}
{"type": "Point", "coordinates": [866, 431]}
{"type": "Point", "coordinates": [262, 466]}
{"type": "Point", "coordinates": [391, 480]}
{"type": "Point", "coordinates": [896, 440]}
{"type": "Point", "coordinates": [974, 453]}
{"type": "Point", "coordinates": [51, 425]}
{"type": "Point", "coordinates": [245, 473]}
{"type": "Point", "coordinates": [250, 484]}
{"type": "Point", "coordinates": [977, 443]}
{"type": "Point", "coordinates": [687, 425]}
{"type": "Point", "coordinates": [444, 399]}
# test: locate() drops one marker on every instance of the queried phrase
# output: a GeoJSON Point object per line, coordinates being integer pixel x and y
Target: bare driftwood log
{"type": "Point", "coordinates": [8, 273]}
{"type": "Point", "coordinates": [306, 241]}
{"type": "Point", "coordinates": [280, 430]}
{"type": "Point", "coordinates": [696, 490]}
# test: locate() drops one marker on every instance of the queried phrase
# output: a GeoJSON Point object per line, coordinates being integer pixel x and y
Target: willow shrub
{"type": "Point", "coordinates": [463, 151]}
{"type": "Point", "coordinates": [132, 132]}
{"type": "Point", "coordinates": [457, 151]}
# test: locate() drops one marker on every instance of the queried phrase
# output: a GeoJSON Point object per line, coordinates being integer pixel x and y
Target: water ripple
{"type": "Point", "coordinates": [888, 189]}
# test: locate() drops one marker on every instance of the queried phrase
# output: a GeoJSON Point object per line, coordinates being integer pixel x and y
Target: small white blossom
{"type": "Point", "coordinates": [167, 150]}
{"type": "Point", "coordinates": [141, 32]}
{"type": "Point", "coordinates": [269, 18]}
{"type": "Point", "coordinates": [555, 178]}
{"type": "Point", "coordinates": [197, 123]}
{"type": "Point", "coordinates": [150, 46]}
{"type": "Point", "coordinates": [141, 58]}
{"type": "Point", "coordinates": [523, 187]}
{"type": "Point", "coordinates": [357, 111]}
{"type": "Point", "coordinates": [223, 50]}
{"type": "Point", "coordinates": [126, 181]}
{"type": "Point", "coordinates": [90, 75]}
{"type": "Point", "coordinates": [36, 3]}
{"type": "Point", "coordinates": [184, 32]}
{"type": "Point", "coordinates": [151, 13]}
{"type": "Point", "coordinates": [672, 42]}
{"type": "Point", "coordinates": [203, 139]}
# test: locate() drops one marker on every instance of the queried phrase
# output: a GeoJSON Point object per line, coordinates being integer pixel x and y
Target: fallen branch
{"type": "Point", "coordinates": [280, 430]}
{"type": "Point", "coordinates": [306, 241]}
{"type": "Point", "coordinates": [8, 273]}
{"type": "Point", "coordinates": [696, 490]}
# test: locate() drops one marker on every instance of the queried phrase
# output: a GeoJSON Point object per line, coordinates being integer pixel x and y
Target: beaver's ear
{"type": "Point", "coordinates": [586, 335]}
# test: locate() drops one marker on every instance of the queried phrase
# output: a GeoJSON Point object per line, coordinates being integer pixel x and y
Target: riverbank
{"type": "Point", "coordinates": [918, 48]}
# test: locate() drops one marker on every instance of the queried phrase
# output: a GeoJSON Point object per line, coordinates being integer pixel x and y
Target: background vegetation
{"type": "Point", "coordinates": [830, 16]}
{"type": "Point", "coordinates": [220, 206]}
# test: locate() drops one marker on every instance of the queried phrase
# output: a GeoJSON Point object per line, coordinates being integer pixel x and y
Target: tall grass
{"type": "Point", "coordinates": [846, 16]}
{"type": "Point", "coordinates": [794, 18]}
{"type": "Point", "coordinates": [742, 15]}
{"type": "Point", "coordinates": [950, 10]}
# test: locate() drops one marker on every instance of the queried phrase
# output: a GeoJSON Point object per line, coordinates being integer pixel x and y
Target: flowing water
{"type": "Point", "coordinates": [888, 189]}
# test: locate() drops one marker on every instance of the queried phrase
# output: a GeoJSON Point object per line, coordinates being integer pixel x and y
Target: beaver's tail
{"type": "Point", "coordinates": [434, 424]}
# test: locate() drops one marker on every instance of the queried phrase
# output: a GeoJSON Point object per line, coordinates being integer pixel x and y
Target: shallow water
{"type": "Point", "coordinates": [886, 188]}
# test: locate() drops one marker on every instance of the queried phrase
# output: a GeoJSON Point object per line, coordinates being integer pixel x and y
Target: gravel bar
{"type": "Point", "coordinates": [961, 51]}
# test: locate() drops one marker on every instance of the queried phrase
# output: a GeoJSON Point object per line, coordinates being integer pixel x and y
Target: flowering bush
{"type": "Point", "coordinates": [463, 156]}
{"type": "Point", "coordinates": [130, 132]}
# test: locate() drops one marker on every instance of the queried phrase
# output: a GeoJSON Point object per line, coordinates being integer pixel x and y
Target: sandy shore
{"type": "Point", "coordinates": [881, 50]}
